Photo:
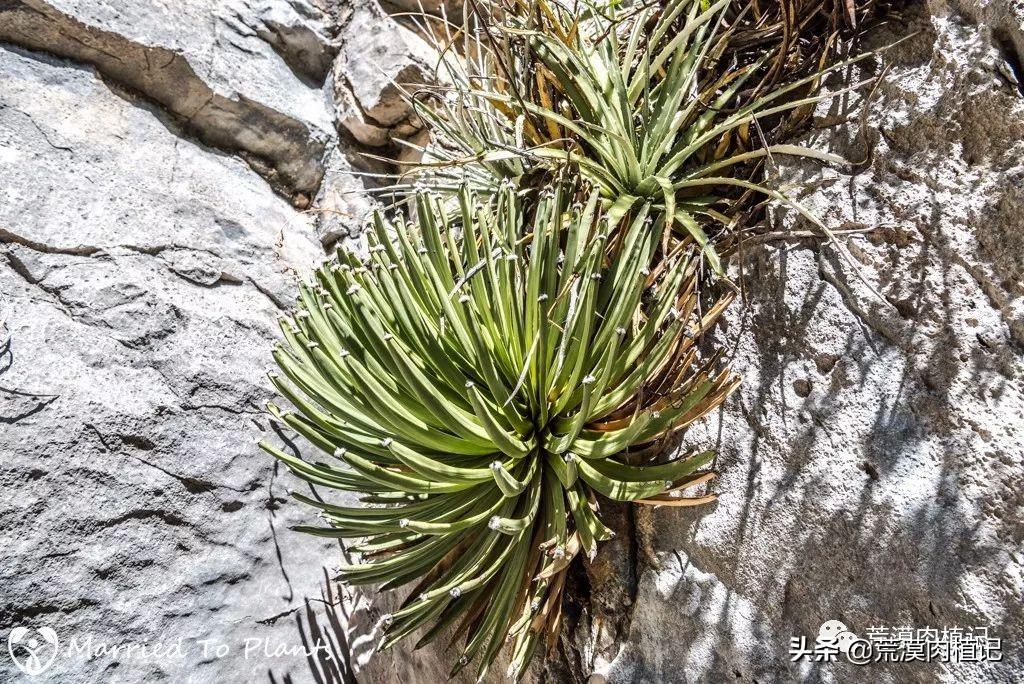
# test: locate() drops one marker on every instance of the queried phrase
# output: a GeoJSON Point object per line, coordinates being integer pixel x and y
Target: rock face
{"type": "Point", "coordinates": [170, 170]}
{"type": "Point", "coordinates": [140, 299]}
{"type": "Point", "coordinates": [220, 77]}
{"type": "Point", "coordinates": [155, 160]}
{"type": "Point", "coordinates": [871, 463]}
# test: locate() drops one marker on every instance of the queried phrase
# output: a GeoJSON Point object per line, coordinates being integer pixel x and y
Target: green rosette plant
{"type": "Point", "coordinates": [482, 380]}
{"type": "Point", "coordinates": [650, 103]}
{"type": "Point", "coordinates": [519, 344]}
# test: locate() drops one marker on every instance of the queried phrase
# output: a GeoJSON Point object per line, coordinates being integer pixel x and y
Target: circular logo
{"type": "Point", "coordinates": [32, 650]}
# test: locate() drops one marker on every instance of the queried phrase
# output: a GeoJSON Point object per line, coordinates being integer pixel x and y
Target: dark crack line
{"type": "Point", "coordinates": [221, 407]}
{"type": "Point", "coordinates": [19, 267]}
{"type": "Point", "coordinates": [55, 300]}
{"type": "Point", "coordinates": [194, 485]}
{"type": "Point", "coordinates": [280, 559]}
{"type": "Point", "coordinates": [9, 237]}
{"type": "Point", "coordinates": [99, 435]}
{"type": "Point", "coordinates": [274, 618]}
{"type": "Point", "coordinates": [44, 134]}
{"type": "Point", "coordinates": [157, 250]}
{"type": "Point", "coordinates": [143, 514]}
{"type": "Point", "coordinates": [11, 420]}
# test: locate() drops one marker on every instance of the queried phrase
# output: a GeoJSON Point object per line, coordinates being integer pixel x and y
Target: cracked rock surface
{"type": "Point", "coordinates": [208, 63]}
{"type": "Point", "coordinates": [141, 275]}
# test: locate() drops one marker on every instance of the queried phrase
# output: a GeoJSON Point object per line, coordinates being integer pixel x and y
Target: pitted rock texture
{"type": "Point", "coordinates": [141, 275]}
{"type": "Point", "coordinates": [871, 462]}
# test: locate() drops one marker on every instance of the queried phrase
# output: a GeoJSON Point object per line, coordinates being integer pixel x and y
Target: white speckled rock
{"type": "Point", "coordinates": [871, 463]}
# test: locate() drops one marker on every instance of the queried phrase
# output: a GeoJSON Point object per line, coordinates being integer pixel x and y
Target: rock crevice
{"type": "Point", "coordinates": [286, 151]}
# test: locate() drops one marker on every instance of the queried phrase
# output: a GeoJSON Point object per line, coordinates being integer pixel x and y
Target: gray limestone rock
{"type": "Point", "coordinates": [215, 65]}
{"type": "Point", "coordinates": [141, 275]}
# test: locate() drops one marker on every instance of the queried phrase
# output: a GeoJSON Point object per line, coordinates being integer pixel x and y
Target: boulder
{"type": "Point", "coordinates": [142, 273]}
{"type": "Point", "coordinates": [381, 61]}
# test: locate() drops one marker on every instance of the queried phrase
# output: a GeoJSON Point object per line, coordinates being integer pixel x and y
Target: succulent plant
{"type": "Point", "coordinates": [523, 347]}
{"type": "Point", "coordinates": [647, 102]}
{"type": "Point", "coordinates": [483, 379]}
